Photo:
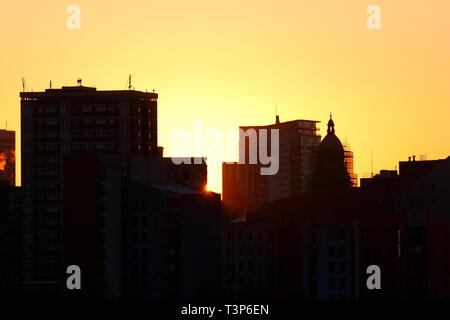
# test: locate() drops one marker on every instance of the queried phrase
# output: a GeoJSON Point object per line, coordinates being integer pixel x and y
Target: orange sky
{"type": "Point", "coordinates": [229, 63]}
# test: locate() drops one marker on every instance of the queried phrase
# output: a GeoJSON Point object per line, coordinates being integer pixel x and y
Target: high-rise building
{"type": "Point", "coordinates": [58, 123]}
{"type": "Point", "coordinates": [10, 239]}
{"type": "Point", "coordinates": [8, 156]}
{"type": "Point", "coordinates": [245, 189]}
{"type": "Point", "coordinates": [141, 228]}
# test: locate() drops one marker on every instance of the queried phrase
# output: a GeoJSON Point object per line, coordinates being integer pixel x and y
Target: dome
{"type": "Point", "coordinates": [331, 171]}
{"type": "Point", "coordinates": [331, 143]}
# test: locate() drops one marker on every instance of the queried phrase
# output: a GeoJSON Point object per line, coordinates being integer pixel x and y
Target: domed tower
{"type": "Point", "coordinates": [331, 172]}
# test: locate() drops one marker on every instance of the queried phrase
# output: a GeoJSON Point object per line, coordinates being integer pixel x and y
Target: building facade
{"type": "Point", "coordinates": [146, 231]}
{"type": "Point", "coordinates": [245, 189]}
{"type": "Point", "coordinates": [55, 124]}
{"type": "Point", "coordinates": [8, 156]}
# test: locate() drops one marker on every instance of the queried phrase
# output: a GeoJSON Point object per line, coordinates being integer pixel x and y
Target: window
{"type": "Point", "coordinates": [342, 234]}
{"type": "Point", "coordinates": [331, 284]}
{"type": "Point", "coordinates": [331, 235]}
{"type": "Point", "coordinates": [331, 251]}
{"type": "Point", "coordinates": [331, 267]}
{"type": "Point", "coordinates": [86, 108]}
{"type": "Point", "coordinates": [100, 108]}
{"type": "Point", "coordinates": [342, 284]}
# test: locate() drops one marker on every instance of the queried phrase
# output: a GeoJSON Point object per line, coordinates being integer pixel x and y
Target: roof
{"type": "Point", "coordinates": [331, 143]}
{"type": "Point", "coordinates": [176, 188]}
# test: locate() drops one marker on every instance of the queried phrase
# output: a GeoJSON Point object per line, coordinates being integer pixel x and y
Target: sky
{"type": "Point", "coordinates": [229, 63]}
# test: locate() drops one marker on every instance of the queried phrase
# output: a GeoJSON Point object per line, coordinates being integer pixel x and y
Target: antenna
{"type": "Point", "coordinates": [24, 85]}
{"type": "Point", "coordinates": [372, 162]}
{"type": "Point", "coordinates": [129, 82]}
{"type": "Point", "coordinates": [50, 84]}
{"type": "Point", "coordinates": [277, 118]}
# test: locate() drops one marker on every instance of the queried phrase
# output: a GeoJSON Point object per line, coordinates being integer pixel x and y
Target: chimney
{"type": "Point", "coordinates": [409, 159]}
{"type": "Point", "coordinates": [277, 119]}
{"type": "Point", "coordinates": [414, 158]}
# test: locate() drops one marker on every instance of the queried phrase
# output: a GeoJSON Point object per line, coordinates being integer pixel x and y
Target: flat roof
{"type": "Point", "coordinates": [176, 188]}
{"type": "Point", "coordinates": [83, 91]}
{"type": "Point", "coordinates": [281, 124]}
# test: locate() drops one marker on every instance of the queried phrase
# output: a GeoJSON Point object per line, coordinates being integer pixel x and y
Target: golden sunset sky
{"type": "Point", "coordinates": [229, 63]}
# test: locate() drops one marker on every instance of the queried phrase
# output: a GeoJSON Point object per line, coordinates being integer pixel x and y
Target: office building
{"type": "Point", "coordinates": [8, 156]}
{"type": "Point", "coordinates": [245, 189]}
{"type": "Point", "coordinates": [140, 230]}
{"type": "Point", "coordinates": [57, 123]}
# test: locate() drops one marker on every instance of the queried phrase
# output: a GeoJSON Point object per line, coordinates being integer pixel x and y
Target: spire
{"type": "Point", "coordinates": [330, 125]}
{"type": "Point", "coordinates": [277, 117]}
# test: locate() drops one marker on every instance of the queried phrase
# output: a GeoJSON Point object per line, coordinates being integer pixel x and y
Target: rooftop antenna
{"type": "Point", "coordinates": [372, 161]}
{"type": "Point", "coordinates": [50, 84]}
{"type": "Point", "coordinates": [24, 85]}
{"type": "Point", "coordinates": [129, 82]}
{"type": "Point", "coordinates": [277, 118]}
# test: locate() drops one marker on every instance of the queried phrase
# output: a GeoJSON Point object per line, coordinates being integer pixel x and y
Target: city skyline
{"type": "Point", "coordinates": [231, 65]}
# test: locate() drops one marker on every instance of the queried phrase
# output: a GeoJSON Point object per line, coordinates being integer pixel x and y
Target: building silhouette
{"type": "Point", "coordinates": [245, 189]}
{"type": "Point", "coordinates": [149, 230]}
{"type": "Point", "coordinates": [8, 156]}
{"type": "Point", "coordinates": [318, 245]}
{"type": "Point", "coordinates": [10, 216]}
{"type": "Point", "coordinates": [55, 124]}
{"type": "Point", "coordinates": [333, 163]}
{"type": "Point", "coordinates": [10, 239]}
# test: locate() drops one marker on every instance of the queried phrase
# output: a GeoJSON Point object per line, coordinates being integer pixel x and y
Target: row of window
{"type": "Point", "coordinates": [270, 236]}
{"type": "Point", "coordinates": [421, 201]}
{"type": "Point", "coordinates": [340, 251]}
{"type": "Point", "coordinates": [250, 266]}
{"type": "Point", "coordinates": [250, 252]}
{"type": "Point", "coordinates": [337, 267]}
{"type": "Point", "coordinates": [337, 234]}
{"type": "Point", "coordinates": [337, 284]}
{"type": "Point", "coordinates": [253, 282]}
{"type": "Point", "coordinates": [136, 221]}
{"type": "Point", "coordinates": [139, 238]}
